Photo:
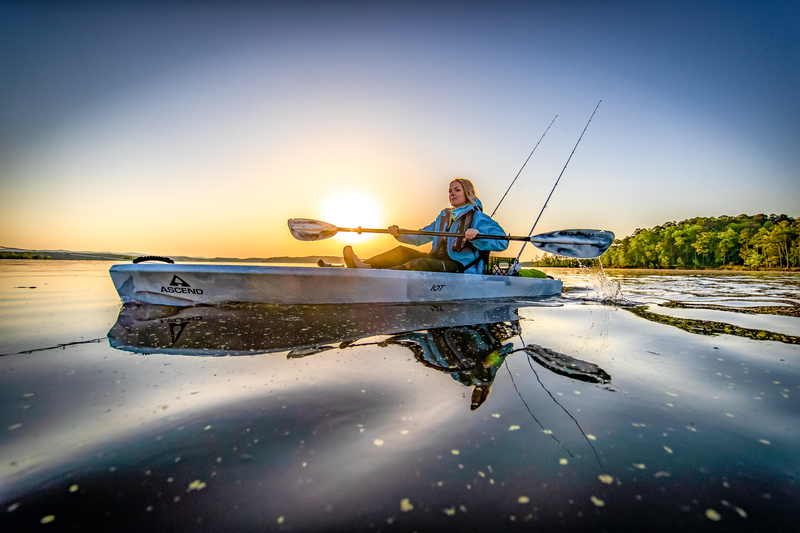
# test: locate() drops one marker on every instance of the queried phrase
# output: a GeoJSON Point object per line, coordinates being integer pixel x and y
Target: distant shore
{"type": "Point", "coordinates": [684, 270]}
{"type": "Point", "coordinates": [65, 255]}
{"type": "Point", "coordinates": [62, 255]}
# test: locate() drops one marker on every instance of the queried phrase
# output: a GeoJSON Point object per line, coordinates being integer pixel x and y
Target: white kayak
{"type": "Point", "coordinates": [188, 284]}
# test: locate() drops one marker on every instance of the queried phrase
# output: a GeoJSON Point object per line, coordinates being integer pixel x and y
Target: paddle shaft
{"type": "Point", "coordinates": [533, 239]}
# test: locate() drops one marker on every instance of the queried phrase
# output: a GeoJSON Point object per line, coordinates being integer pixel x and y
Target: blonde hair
{"type": "Point", "coordinates": [469, 189]}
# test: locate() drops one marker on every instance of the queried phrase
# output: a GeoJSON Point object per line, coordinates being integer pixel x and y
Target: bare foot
{"type": "Point", "coordinates": [351, 260]}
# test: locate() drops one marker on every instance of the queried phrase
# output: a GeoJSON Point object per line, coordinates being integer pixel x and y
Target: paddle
{"type": "Point", "coordinates": [577, 243]}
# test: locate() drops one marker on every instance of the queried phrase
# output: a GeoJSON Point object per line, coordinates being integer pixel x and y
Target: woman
{"type": "Point", "coordinates": [448, 254]}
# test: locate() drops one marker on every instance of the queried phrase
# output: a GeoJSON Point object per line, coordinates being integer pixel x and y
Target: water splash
{"type": "Point", "coordinates": [601, 289]}
{"type": "Point", "coordinates": [590, 284]}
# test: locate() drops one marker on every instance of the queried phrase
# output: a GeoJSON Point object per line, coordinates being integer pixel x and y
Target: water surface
{"type": "Point", "coordinates": [575, 412]}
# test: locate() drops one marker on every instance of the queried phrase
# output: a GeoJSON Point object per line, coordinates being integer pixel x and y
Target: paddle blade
{"type": "Point", "coordinates": [306, 229]}
{"type": "Point", "coordinates": [578, 243]}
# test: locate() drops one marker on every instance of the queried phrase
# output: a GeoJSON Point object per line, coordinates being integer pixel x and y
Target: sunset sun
{"type": "Point", "coordinates": [352, 209]}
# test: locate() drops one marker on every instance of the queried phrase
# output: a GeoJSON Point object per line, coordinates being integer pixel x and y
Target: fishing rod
{"type": "Point", "coordinates": [531, 412]}
{"type": "Point", "coordinates": [523, 166]}
{"type": "Point", "coordinates": [535, 373]}
{"type": "Point", "coordinates": [559, 179]}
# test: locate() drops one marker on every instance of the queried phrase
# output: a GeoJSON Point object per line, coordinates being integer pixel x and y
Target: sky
{"type": "Point", "coordinates": [199, 128]}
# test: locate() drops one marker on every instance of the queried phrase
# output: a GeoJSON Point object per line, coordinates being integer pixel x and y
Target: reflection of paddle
{"type": "Point", "coordinates": [578, 243]}
{"type": "Point", "coordinates": [565, 365]}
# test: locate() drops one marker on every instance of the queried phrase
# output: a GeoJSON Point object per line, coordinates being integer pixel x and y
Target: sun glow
{"type": "Point", "coordinates": [352, 209]}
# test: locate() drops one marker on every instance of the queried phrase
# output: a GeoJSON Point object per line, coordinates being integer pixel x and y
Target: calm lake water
{"type": "Point", "coordinates": [580, 412]}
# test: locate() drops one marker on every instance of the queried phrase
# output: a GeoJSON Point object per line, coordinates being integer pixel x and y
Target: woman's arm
{"type": "Point", "coordinates": [418, 240]}
{"type": "Point", "coordinates": [482, 223]}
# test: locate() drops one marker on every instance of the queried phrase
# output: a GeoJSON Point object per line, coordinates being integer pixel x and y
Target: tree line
{"type": "Point", "coordinates": [23, 255]}
{"type": "Point", "coordinates": [750, 242]}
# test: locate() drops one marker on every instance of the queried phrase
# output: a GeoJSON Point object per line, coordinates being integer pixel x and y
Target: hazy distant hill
{"type": "Point", "coordinates": [20, 253]}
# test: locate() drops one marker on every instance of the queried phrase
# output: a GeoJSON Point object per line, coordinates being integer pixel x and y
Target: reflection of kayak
{"type": "Point", "coordinates": [464, 339]}
{"type": "Point", "coordinates": [243, 330]}
{"type": "Point", "coordinates": [182, 285]}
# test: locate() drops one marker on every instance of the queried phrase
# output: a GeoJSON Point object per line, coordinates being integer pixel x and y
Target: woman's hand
{"type": "Point", "coordinates": [394, 231]}
{"type": "Point", "coordinates": [470, 234]}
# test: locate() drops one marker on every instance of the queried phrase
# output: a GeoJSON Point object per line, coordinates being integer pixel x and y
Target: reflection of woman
{"type": "Point", "coordinates": [448, 254]}
{"type": "Point", "coordinates": [470, 354]}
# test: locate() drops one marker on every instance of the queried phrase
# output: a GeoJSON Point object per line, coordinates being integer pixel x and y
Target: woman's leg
{"type": "Point", "coordinates": [394, 257]}
{"type": "Point", "coordinates": [431, 264]}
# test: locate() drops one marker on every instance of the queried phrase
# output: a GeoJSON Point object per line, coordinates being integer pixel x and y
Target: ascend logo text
{"type": "Point", "coordinates": [178, 285]}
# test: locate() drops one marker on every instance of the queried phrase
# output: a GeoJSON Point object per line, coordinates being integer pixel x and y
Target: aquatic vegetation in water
{"type": "Point", "coordinates": [790, 309]}
{"type": "Point", "coordinates": [709, 327]}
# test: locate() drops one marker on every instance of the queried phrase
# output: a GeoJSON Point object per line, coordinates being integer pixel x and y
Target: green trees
{"type": "Point", "coordinates": [746, 241]}
{"type": "Point", "coordinates": [23, 255]}
{"type": "Point", "coordinates": [753, 242]}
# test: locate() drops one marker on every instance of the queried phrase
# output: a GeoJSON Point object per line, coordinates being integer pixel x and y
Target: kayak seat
{"type": "Point", "coordinates": [505, 266]}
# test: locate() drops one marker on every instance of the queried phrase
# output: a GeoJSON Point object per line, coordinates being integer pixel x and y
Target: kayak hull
{"type": "Point", "coordinates": [188, 284]}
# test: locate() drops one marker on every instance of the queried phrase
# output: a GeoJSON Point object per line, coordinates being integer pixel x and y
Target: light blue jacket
{"type": "Point", "coordinates": [481, 222]}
